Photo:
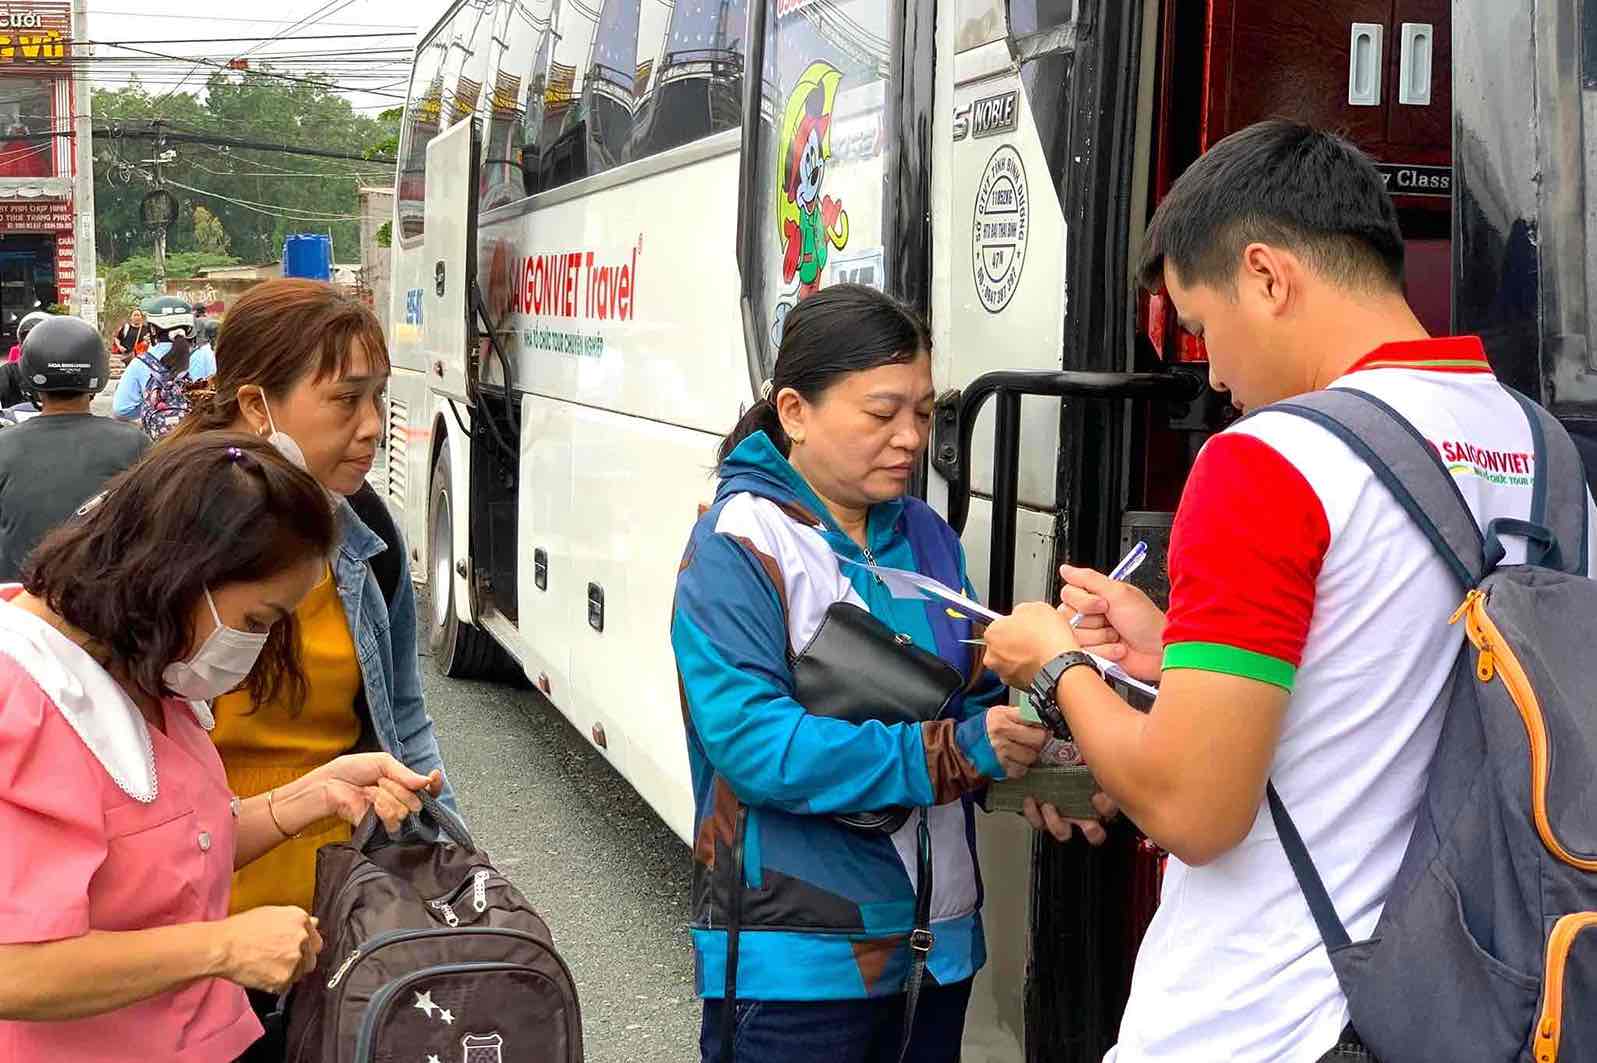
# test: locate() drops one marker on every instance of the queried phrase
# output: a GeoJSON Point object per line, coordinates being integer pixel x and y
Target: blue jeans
{"type": "Point", "coordinates": [841, 1031]}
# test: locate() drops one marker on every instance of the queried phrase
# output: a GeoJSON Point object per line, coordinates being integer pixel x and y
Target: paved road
{"type": "Point", "coordinates": [590, 855]}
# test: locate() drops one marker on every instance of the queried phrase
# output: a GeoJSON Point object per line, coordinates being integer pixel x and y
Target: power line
{"type": "Point", "coordinates": [260, 73]}
{"type": "Point", "coordinates": [190, 17]}
{"type": "Point", "coordinates": [273, 209]}
{"type": "Point", "coordinates": [176, 137]}
{"type": "Point", "coordinates": [237, 40]}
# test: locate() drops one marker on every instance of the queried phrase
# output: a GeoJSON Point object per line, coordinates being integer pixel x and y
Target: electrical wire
{"type": "Point", "coordinates": [239, 40]}
{"type": "Point", "coordinates": [273, 209]}
{"type": "Point", "coordinates": [266, 73]}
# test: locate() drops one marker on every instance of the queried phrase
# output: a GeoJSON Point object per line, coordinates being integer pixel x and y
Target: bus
{"type": "Point", "coordinates": [599, 210]}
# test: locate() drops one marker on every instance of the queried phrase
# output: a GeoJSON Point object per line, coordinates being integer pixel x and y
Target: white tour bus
{"type": "Point", "coordinates": [592, 229]}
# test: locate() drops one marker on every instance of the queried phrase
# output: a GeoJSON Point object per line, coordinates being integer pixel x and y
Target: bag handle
{"type": "Point", "coordinates": [445, 823]}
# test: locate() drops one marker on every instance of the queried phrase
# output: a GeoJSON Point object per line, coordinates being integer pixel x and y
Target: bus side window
{"type": "Point", "coordinates": [444, 89]}
{"type": "Point", "coordinates": [612, 86]}
{"type": "Point", "coordinates": [690, 75]}
{"type": "Point", "coordinates": [421, 125]}
{"type": "Point", "coordinates": [514, 108]}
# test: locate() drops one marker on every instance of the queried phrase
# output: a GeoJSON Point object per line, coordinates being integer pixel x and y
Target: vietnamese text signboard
{"type": "Point", "coordinates": [35, 215]}
{"type": "Point", "coordinates": [31, 33]}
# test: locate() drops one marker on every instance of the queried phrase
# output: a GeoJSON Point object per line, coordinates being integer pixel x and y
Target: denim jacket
{"type": "Point", "coordinates": [385, 647]}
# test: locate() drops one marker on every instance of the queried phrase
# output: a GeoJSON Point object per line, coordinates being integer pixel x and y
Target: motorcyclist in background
{"type": "Point", "coordinates": [51, 464]}
{"type": "Point", "coordinates": [14, 389]}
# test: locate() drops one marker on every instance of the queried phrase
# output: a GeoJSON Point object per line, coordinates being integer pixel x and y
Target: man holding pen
{"type": "Point", "coordinates": [1307, 636]}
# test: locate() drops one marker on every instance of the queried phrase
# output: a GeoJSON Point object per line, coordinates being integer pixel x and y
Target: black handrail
{"type": "Point", "coordinates": [956, 424]}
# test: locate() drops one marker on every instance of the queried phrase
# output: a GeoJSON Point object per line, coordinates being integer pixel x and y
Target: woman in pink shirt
{"type": "Point", "coordinates": [120, 834]}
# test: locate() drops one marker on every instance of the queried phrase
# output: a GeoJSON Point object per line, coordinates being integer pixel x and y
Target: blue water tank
{"type": "Point", "coordinates": [308, 255]}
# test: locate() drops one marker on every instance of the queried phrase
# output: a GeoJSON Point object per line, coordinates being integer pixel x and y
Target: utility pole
{"type": "Point", "coordinates": [160, 232]}
{"type": "Point", "coordinates": [88, 290]}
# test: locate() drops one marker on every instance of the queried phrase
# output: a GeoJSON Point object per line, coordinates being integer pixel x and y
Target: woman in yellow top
{"type": "Point", "coordinates": [304, 366]}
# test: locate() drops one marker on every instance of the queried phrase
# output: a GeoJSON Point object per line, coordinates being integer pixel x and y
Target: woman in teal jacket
{"type": "Point", "coordinates": [814, 477]}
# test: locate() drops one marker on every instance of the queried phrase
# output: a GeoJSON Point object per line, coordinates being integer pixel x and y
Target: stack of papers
{"type": "Point", "coordinates": [905, 584]}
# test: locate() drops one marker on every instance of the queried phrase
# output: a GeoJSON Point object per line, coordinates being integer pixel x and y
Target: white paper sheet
{"type": "Point", "coordinates": [905, 584]}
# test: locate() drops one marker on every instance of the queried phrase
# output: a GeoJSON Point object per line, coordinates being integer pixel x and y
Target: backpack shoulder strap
{"type": "Point", "coordinates": [388, 566]}
{"type": "Point", "coordinates": [1558, 498]}
{"type": "Point", "coordinates": [1407, 465]}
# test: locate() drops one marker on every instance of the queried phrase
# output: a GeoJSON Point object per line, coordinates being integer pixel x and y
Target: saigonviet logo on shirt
{"type": "Point", "coordinates": [1512, 467]}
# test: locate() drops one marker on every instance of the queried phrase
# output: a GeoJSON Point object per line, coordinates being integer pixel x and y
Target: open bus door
{"type": "Point", "coordinates": [451, 242]}
{"type": "Point", "coordinates": [449, 307]}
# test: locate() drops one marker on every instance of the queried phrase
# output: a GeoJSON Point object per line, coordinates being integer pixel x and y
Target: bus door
{"type": "Point", "coordinates": [1042, 145]}
{"type": "Point", "coordinates": [451, 257]}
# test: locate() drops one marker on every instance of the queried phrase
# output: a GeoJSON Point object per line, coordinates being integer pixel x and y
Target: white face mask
{"type": "Point", "coordinates": [224, 660]}
{"type": "Point", "coordinates": [286, 444]}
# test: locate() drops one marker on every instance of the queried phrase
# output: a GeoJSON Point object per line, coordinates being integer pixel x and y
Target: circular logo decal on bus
{"type": "Point", "coordinates": [999, 229]}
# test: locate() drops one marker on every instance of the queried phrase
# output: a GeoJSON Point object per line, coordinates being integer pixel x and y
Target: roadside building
{"type": "Point", "coordinates": [44, 162]}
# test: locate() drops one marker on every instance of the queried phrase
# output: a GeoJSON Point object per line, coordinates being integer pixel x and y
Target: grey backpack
{"type": "Point", "coordinates": [1487, 946]}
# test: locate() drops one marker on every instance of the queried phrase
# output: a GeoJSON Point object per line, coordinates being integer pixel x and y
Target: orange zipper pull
{"type": "Point", "coordinates": [1469, 600]}
{"type": "Point", "coordinates": [1486, 665]}
{"type": "Point", "coordinates": [1484, 669]}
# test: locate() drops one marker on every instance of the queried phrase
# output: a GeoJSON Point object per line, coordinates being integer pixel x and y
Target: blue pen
{"type": "Point", "coordinates": [1128, 564]}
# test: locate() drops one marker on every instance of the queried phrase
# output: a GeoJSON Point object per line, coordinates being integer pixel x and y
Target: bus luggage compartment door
{"type": "Point", "coordinates": [451, 252]}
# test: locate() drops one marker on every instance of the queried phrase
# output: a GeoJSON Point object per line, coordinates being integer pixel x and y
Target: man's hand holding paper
{"type": "Point", "coordinates": [1118, 621]}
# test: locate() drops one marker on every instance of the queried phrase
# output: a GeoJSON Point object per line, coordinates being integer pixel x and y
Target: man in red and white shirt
{"type": "Point", "coordinates": [1307, 636]}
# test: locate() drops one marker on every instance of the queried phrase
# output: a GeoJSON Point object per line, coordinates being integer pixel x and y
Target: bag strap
{"type": "Point", "coordinates": [734, 930]}
{"type": "Point", "coordinates": [936, 552]}
{"type": "Point", "coordinates": [1411, 470]}
{"type": "Point", "coordinates": [1332, 932]}
{"type": "Point", "coordinates": [1558, 496]}
{"type": "Point", "coordinates": [921, 939]}
{"type": "Point", "coordinates": [1406, 465]}
{"type": "Point", "coordinates": [388, 566]}
{"type": "Point", "coordinates": [448, 825]}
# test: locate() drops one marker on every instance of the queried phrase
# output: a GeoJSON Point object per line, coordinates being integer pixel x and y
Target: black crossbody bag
{"type": "Point", "coordinates": [855, 669]}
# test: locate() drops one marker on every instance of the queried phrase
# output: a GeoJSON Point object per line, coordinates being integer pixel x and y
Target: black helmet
{"type": "Point", "coordinates": [25, 326]}
{"type": "Point", "coordinates": [65, 354]}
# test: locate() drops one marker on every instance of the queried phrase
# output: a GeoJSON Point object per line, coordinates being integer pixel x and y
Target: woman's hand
{"type": "Point", "coordinates": [1017, 742]}
{"type": "Point", "coordinates": [354, 784]}
{"type": "Point", "coordinates": [269, 948]}
{"type": "Point", "coordinates": [1118, 622]}
{"type": "Point", "coordinates": [1046, 817]}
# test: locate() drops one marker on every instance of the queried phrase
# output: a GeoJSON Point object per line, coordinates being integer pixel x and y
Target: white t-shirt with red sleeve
{"type": "Point", "coordinates": [1290, 564]}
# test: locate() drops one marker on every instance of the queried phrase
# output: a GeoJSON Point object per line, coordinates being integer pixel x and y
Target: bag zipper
{"type": "Point", "coordinates": [390, 937]}
{"type": "Point", "coordinates": [1497, 658]}
{"type": "Point", "coordinates": [1549, 1025]}
{"type": "Point", "coordinates": [477, 884]}
{"type": "Point", "coordinates": [393, 937]}
{"type": "Point", "coordinates": [380, 1001]}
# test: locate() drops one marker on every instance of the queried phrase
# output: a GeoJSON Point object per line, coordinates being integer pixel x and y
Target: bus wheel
{"type": "Point", "coordinates": [460, 650]}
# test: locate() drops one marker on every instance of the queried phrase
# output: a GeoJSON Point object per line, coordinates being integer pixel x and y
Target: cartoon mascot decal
{"type": "Point", "coordinates": [808, 222]}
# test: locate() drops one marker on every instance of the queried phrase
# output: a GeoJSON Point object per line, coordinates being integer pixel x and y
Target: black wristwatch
{"type": "Point", "coordinates": [1045, 687]}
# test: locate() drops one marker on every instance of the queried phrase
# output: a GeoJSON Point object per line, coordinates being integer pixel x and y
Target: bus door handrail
{"type": "Point", "coordinates": [954, 425]}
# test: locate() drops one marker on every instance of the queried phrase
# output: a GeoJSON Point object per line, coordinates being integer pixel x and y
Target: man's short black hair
{"type": "Point", "coordinates": [1283, 183]}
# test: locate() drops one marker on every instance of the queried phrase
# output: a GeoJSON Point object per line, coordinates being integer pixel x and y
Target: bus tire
{"type": "Point", "coordinates": [460, 650]}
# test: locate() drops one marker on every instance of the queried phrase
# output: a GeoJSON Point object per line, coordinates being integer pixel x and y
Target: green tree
{"type": "Point", "coordinates": [209, 235]}
{"type": "Point", "coordinates": [256, 197]}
